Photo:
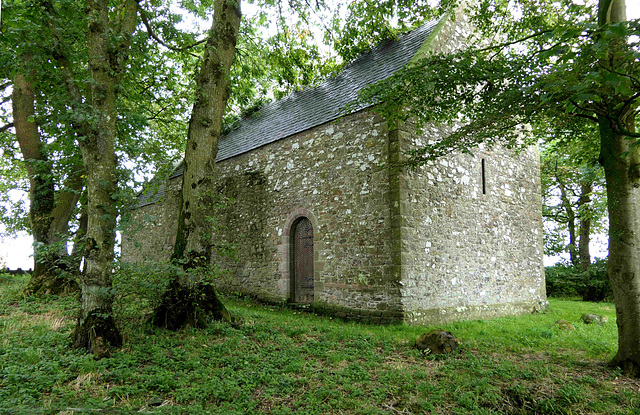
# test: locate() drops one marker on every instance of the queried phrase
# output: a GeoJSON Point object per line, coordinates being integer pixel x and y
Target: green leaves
{"type": "Point", "coordinates": [368, 23]}
{"type": "Point", "coordinates": [535, 60]}
{"type": "Point", "coordinates": [569, 165]}
{"type": "Point", "coordinates": [618, 29]}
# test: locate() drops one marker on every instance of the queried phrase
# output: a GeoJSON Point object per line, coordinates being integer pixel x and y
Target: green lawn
{"type": "Point", "coordinates": [282, 361]}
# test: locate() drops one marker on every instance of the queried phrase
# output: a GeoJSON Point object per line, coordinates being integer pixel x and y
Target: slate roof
{"type": "Point", "coordinates": [315, 106]}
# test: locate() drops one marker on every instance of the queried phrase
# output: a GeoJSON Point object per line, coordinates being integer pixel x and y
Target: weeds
{"type": "Point", "coordinates": [283, 362]}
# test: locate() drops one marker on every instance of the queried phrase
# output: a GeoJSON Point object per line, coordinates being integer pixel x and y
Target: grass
{"type": "Point", "coordinates": [282, 361]}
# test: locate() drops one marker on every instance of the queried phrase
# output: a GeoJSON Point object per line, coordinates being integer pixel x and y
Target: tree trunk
{"type": "Point", "coordinates": [623, 202]}
{"type": "Point", "coordinates": [96, 330]}
{"type": "Point", "coordinates": [47, 214]}
{"type": "Point", "coordinates": [584, 212]}
{"type": "Point", "coordinates": [78, 238]}
{"type": "Point", "coordinates": [571, 222]}
{"type": "Point", "coordinates": [621, 165]}
{"type": "Point", "coordinates": [192, 249]}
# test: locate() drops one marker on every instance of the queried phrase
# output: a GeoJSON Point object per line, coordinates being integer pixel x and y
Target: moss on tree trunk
{"type": "Point", "coordinates": [49, 213]}
{"type": "Point", "coordinates": [194, 303]}
{"type": "Point", "coordinates": [108, 41]}
{"type": "Point", "coordinates": [52, 276]}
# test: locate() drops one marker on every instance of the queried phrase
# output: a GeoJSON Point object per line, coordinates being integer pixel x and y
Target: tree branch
{"type": "Point", "coordinates": [585, 109]}
{"type": "Point", "coordinates": [6, 127]}
{"type": "Point", "coordinates": [513, 42]}
{"type": "Point", "coordinates": [128, 24]}
{"type": "Point", "coordinates": [624, 131]}
{"type": "Point", "coordinates": [151, 33]}
{"type": "Point", "coordinates": [635, 80]}
{"type": "Point", "coordinates": [65, 64]}
{"type": "Point", "coordinates": [327, 30]}
{"type": "Point", "coordinates": [588, 117]}
{"type": "Point", "coordinates": [627, 108]}
{"type": "Point", "coordinates": [158, 112]}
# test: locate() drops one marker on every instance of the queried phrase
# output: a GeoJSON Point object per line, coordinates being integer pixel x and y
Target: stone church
{"type": "Point", "coordinates": [322, 216]}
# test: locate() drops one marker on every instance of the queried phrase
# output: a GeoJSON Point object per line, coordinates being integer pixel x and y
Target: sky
{"type": "Point", "coordinates": [17, 252]}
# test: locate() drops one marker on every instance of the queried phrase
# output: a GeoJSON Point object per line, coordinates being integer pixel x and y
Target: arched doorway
{"type": "Point", "coordinates": [302, 261]}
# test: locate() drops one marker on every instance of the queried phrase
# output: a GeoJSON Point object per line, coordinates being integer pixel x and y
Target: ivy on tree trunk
{"type": "Point", "coordinates": [96, 330]}
{"type": "Point", "coordinates": [192, 303]}
{"type": "Point", "coordinates": [49, 214]}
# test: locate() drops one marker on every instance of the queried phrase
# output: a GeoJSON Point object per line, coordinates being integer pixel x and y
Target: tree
{"type": "Point", "coordinates": [183, 303]}
{"type": "Point", "coordinates": [292, 62]}
{"type": "Point", "coordinates": [620, 159]}
{"type": "Point", "coordinates": [49, 211]}
{"type": "Point", "coordinates": [90, 93]}
{"type": "Point", "coordinates": [108, 42]}
{"type": "Point", "coordinates": [42, 63]}
{"type": "Point", "coordinates": [54, 174]}
{"type": "Point", "coordinates": [572, 191]}
{"type": "Point", "coordinates": [550, 62]}
{"type": "Point", "coordinates": [64, 70]}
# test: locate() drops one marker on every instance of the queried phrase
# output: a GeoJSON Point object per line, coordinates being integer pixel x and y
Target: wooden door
{"type": "Point", "coordinates": [302, 265]}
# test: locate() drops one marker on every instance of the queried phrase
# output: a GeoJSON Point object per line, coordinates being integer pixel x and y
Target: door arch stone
{"type": "Point", "coordinates": [286, 255]}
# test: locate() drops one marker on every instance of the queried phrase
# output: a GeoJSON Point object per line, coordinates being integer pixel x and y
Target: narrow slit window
{"type": "Point", "coordinates": [483, 177]}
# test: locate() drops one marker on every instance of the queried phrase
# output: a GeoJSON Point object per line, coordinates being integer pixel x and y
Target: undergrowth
{"type": "Point", "coordinates": [282, 361]}
{"type": "Point", "coordinates": [565, 281]}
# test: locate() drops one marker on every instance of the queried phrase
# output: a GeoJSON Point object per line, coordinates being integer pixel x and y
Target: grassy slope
{"type": "Point", "coordinates": [281, 361]}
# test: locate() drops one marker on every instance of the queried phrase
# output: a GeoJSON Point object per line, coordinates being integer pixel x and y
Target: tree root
{"type": "Point", "coordinates": [183, 306]}
{"type": "Point", "coordinates": [629, 366]}
{"type": "Point", "coordinates": [51, 284]}
{"type": "Point", "coordinates": [97, 333]}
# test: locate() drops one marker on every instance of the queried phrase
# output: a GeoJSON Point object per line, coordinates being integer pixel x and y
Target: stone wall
{"type": "Point", "coordinates": [424, 246]}
{"type": "Point", "coordinates": [151, 230]}
{"type": "Point", "coordinates": [471, 234]}
{"type": "Point", "coordinates": [336, 176]}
